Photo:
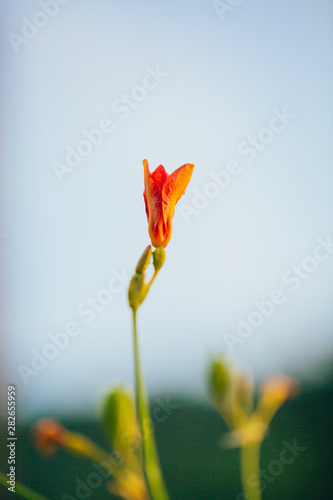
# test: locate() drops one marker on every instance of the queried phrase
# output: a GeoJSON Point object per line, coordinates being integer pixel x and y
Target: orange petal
{"type": "Point", "coordinates": [160, 176]}
{"type": "Point", "coordinates": [153, 193]}
{"type": "Point", "coordinates": [174, 188]}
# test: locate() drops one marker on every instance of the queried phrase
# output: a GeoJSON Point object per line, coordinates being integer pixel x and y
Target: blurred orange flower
{"type": "Point", "coordinates": [162, 191]}
{"type": "Point", "coordinates": [48, 435]}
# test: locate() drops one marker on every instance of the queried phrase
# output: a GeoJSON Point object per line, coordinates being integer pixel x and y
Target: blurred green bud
{"type": "Point", "coordinates": [119, 419]}
{"type": "Point", "coordinates": [144, 260]}
{"type": "Point", "coordinates": [219, 380]}
{"type": "Point", "coordinates": [158, 258]}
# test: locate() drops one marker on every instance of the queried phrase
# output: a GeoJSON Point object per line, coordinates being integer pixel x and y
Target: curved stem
{"type": "Point", "coordinates": [153, 279]}
{"type": "Point", "coordinates": [250, 469]}
{"type": "Point", "coordinates": [151, 465]}
{"type": "Point", "coordinates": [21, 489]}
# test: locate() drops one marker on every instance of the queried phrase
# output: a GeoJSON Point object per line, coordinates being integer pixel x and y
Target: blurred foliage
{"type": "Point", "coordinates": [195, 466]}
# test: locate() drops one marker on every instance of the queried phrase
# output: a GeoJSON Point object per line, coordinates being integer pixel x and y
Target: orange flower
{"type": "Point", "coordinates": [162, 191]}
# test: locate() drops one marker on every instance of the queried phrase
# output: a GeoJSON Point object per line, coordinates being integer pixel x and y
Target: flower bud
{"type": "Point", "coordinates": [144, 260]}
{"type": "Point", "coordinates": [219, 380]}
{"type": "Point", "coordinates": [48, 435]}
{"type": "Point", "coordinates": [274, 393]}
{"type": "Point", "coordinates": [119, 417]}
{"type": "Point", "coordinates": [137, 290]}
{"type": "Point", "coordinates": [158, 258]}
{"type": "Point", "coordinates": [280, 388]}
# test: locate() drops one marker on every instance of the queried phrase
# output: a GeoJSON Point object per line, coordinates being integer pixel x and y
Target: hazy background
{"type": "Point", "coordinates": [61, 241]}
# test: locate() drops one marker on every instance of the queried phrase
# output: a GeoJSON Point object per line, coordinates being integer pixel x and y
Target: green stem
{"type": "Point", "coordinates": [250, 466]}
{"type": "Point", "coordinates": [97, 454]}
{"type": "Point", "coordinates": [150, 458]}
{"type": "Point", "coordinates": [152, 279]}
{"type": "Point", "coordinates": [21, 489]}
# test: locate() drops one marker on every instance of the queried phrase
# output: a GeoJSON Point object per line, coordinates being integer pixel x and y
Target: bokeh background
{"type": "Point", "coordinates": [173, 82]}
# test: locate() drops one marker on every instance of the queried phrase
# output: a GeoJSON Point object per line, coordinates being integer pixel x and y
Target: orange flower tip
{"type": "Point", "coordinates": [48, 435]}
{"type": "Point", "coordinates": [281, 388]}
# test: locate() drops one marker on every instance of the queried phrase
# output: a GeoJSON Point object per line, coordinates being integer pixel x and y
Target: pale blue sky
{"type": "Point", "coordinates": [221, 81]}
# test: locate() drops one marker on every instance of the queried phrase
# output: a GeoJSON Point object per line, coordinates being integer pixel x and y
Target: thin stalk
{"type": "Point", "coordinates": [250, 464]}
{"type": "Point", "coordinates": [151, 465]}
{"type": "Point", "coordinates": [21, 489]}
{"type": "Point", "coordinates": [98, 455]}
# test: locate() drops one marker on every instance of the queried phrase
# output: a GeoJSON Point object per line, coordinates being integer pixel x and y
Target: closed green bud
{"type": "Point", "coordinates": [144, 260]}
{"type": "Point", "coordinates": [219, 380]}
{"type": "Point", "coordinates": [137, 290]}
{"type": "Point", "coordinates": [119, 419]}
{"type": "Point", "coordinates": [158, 258]}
